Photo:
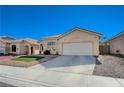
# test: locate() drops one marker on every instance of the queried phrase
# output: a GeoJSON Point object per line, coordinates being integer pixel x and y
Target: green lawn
{"type": "Point", "coordinates": [28, 58]}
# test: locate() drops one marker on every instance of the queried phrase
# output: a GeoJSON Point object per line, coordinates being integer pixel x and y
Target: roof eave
{"type": "Point", "coordinates": [121, 33]}
{"type": "Point", "coordinates": [98, 34]}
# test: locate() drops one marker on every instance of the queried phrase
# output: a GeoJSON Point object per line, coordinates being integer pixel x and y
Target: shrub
{"type": "Point", "coordinates": [47, 52]}
{"type": "Point", "coordinates": [117, 51]}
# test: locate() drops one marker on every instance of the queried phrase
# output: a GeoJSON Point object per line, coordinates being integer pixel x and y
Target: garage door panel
{"type": "Point", "coordinates": [84, 48]}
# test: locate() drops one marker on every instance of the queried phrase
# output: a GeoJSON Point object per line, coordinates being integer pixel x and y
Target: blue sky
{"type": "Point", "coordinates": [40, 21]}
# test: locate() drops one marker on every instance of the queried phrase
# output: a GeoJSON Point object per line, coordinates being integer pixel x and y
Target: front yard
{"type": "Point", "coordinates": [110, 65]}
{"type": "Point", "coordinates": [25, 61]}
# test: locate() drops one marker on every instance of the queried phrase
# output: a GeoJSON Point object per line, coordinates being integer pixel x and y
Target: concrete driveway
{"type": "Point", "coordinates": [69, 64]}
{"type": "Point", "coordinates": [66, 71]}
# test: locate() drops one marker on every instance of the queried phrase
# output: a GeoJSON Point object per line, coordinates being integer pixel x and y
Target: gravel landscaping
{"type": "Point", "coordinates": [109, 65]}
{"type": "Point", "coordinates": [12, 62]}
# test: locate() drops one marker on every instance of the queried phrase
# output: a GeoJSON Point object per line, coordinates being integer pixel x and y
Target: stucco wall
{"type": "Point", "coordinates": [117, 44]}
{"type": "Point", "coordinates": [22, 47]}
{"type": "Point", "coordinates": [36, 49]}
{"type": "Point", "coordinates": [79, 36]}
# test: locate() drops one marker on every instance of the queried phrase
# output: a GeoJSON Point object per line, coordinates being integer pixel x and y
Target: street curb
{"type": "Point", "coordinates": [23, 82]}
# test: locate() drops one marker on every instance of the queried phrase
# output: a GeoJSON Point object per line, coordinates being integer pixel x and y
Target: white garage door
{"type": "Point", "coordinates": [2, 50]}
{"type": "Point", "coordinates": [77, 48]}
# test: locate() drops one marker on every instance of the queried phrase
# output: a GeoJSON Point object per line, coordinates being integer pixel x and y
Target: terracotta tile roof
{"type": "Point", "coordinates": [7, 38]}
{"type": "Point", "coordinates": [29, 40]}
{"type": "Point", "coordinates": [52, 37]}
{"type": "Point", "coordinates": [5, 41]}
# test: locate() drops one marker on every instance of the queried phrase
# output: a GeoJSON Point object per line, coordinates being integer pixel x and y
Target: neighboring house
{"type": "Point", "coordinates": [117, 44]}
{"type": "Point", "coordinates": [19, 46]}
{"type": "Point", "coordinates": [75, 42]}
{"type": "Point", "coordinates": [24, 46]}
{"type": "Point", "coordinates": [4, 44]}
{"type": "Point", "coordinates": [2, 47]}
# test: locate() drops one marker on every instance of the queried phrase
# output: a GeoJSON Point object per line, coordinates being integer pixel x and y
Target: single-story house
{"type": "Point", "coordinates": [75, 42]}
{"type": "Point", "coordinates": [24, 46]}
{"type": "Point", "coordinates": [4, 44]}
{"type": "Point", "coordinates": [117, 44]}
{"type": "Point", "coordinates": [2, 47]}
{"type": "Point", "coordinates": [19, 46]}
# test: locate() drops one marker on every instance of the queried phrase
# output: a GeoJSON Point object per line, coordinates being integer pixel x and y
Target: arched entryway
{"type": "Point", "coordinates": [13, 48]}
{"type": "Point", "coordinates": [41, 48]}
{"type": "Point", "coordinates": [32, 50]}
{"type": "Point", "coordinates": [26, 49]}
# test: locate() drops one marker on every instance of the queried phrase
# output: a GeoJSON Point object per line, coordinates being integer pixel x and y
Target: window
{"type": "Point", "coordinates": [13, 48]}
{"type": "Point", "coordinates": [51, 43]}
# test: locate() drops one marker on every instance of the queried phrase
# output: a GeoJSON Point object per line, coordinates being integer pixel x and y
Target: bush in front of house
{"type": "Point", "coordinates": [57, 53]}
{"type": "Point", "coordinates": [47, 52]}
{"type": "Point", "coordinates": [117, 51]}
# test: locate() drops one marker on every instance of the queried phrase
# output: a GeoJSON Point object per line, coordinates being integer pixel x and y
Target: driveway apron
{"type": "Point", "coordinates": [69, 64]}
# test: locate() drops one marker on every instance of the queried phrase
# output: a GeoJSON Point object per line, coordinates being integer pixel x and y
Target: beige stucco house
{"type": "Point", "coordinates": [2, 47]}
{"type": "Point", "coordinates": [75, 42]}
{"type": "Point", "coordinates": [24, 46]}
{"type": "Point", "coordinates": [20, 46]}
{"type": "Point", "coordinates": [4, 44]}
{"type": "Point", "coordinates": [117, 44]}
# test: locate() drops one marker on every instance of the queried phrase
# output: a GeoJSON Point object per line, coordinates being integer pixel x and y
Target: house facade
{"type": "Point", "coordinates": [2, 47]}
{"type": "Point", "coordinates": [19, 46]}
{"type": "Point", "coordinates": [4, 44]}
{"type": "Point", "coordinates": [75, 42]}
{"type": "Point", "coordinates": [24, 46]}
{"type": "Point", "coordinates": [117, 44]}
